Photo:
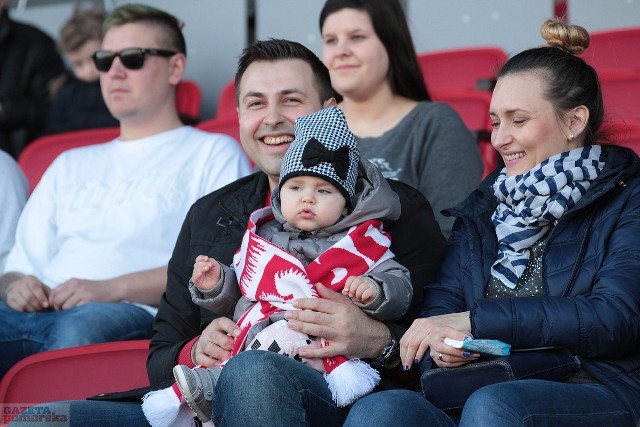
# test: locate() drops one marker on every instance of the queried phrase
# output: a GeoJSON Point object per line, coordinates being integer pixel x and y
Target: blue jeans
{"type": "Point", "coordinates": [510, 404]}
{"type": "Point", "coordinates": [259, 388]}
{"type": "Point", "coordinates": [23, 334]}
{"type": "Point", "coordinates": [396, 408]}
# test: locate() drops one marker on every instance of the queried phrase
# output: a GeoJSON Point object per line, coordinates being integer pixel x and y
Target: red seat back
{"type": "Point", "coordinates": [614, 50]}
{"type": "Point", "coordinates": [621, 95]}
{"type": "Point", "coordinates": [38, 155]}
{"type": "Point", "coordinates": [76, 373]}
{"type": "Point", "coordinates": [470, 68]}
{"type": "Point", "coordinates": [227, 104]}
{"type": "Point", "coordinates": [188, 101]}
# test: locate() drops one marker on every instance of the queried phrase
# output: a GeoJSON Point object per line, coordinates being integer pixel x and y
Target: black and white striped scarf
{"type": "Point", "coordinates": [529, 203]}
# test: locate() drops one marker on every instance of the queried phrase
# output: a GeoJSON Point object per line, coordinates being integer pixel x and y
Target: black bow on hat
{"type": "Point", "coordinates": [315, 153]}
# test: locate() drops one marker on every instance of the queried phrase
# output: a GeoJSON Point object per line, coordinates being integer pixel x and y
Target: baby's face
{"type": "Point", "coordinates": [310, 203]}
{"type": "Point", "coordinates": [81, 63]}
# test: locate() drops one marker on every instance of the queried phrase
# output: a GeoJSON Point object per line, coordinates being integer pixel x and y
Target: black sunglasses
{"type": "Point", "coordinates": [132, 57]}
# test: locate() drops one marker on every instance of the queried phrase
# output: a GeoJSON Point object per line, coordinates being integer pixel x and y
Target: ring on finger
{"type": "Point", "coordinates": [440, 357]}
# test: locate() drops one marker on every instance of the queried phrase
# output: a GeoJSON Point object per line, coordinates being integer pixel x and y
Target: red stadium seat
{"type": "Point", "coordinates": [227, 104]}
{"type": "Point", "coordinates": [76, 373]}
{"type": "Point", "coordinates": [621, 93]}
{"type": "Point", "coordinates": [188, 101]}
{"type": "Point", "coordinates": [614, 50]}
{"type": "Point", "coordinates": [38, 155]}
{"type": "Point", "coordinates": [469, 68]}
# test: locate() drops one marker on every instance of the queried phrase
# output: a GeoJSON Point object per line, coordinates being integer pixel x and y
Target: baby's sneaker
{"type": "Point", "coordinates": [196, 386]}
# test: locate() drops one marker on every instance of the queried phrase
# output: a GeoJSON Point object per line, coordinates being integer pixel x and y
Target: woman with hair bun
{"type": "Point", "coordinates": [543, 255]}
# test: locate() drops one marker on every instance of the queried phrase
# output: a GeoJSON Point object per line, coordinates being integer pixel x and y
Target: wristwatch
{"type": "Point", "coordinates": [389, 357]}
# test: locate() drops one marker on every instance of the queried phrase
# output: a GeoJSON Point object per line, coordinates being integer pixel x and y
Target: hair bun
{"type": "Point", "coordinates": [572, 38]}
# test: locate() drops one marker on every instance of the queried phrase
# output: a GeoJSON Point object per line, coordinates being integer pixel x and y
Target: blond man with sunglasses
{"type": "Point", "coordinates": [92, 244]}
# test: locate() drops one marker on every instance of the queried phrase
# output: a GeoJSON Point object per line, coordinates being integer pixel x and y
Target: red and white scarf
{"type": "Point", "coordinates": [273, 277]}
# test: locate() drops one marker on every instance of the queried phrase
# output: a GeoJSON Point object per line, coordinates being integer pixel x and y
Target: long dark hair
{"type": "Point", "coordinates": [390, 24]}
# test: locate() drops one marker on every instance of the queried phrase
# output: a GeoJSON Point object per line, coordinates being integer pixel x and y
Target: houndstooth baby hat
{"type": "Point", "coordinates": [324, 147]}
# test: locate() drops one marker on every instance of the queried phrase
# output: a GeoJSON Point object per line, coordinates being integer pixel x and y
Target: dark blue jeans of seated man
{"type": "Point", "coordinates": [263, 388]}
{"type": "Point", "coordinates": [23, 333]}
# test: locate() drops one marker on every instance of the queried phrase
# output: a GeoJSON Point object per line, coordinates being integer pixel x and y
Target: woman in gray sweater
{"type": "Point", "coordinates": [368, 50]}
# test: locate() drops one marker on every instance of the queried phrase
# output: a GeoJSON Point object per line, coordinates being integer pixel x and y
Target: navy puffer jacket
{"type": "Point", "coordinates": [590, 273]}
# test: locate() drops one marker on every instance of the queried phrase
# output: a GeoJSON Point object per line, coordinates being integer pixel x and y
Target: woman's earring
{"type": "Point", "coordinates": [571, 137]}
